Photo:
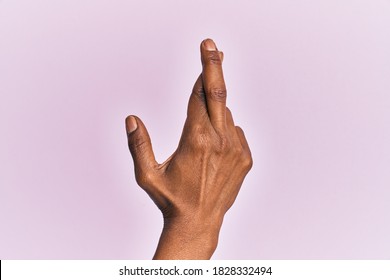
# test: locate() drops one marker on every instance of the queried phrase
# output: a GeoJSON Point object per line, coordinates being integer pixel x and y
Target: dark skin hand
{"type": "Point", "coordinates": [199, 182]}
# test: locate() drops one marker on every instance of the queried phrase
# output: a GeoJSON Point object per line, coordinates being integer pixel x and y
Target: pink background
{"type": "Point", "coordinates": [308, 81]}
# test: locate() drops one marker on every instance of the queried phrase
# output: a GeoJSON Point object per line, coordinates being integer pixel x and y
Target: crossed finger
{"type": "Point", "coordinates": [214, 84]}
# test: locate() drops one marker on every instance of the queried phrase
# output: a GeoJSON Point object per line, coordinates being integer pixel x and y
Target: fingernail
{"type": "Point", "coordinates": [209, 45]}
{"type": "Point", "coordinates": [131, 124]}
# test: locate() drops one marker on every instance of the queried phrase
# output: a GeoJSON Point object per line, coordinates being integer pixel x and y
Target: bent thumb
{"type": "Point", "coordinates": [140, 147]}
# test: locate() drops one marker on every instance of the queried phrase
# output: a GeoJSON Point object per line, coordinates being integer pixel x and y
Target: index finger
{"type": "Point", "coordinates": [214, 84]}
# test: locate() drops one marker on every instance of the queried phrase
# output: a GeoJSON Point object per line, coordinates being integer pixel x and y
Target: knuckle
{"type": "Point", "coordinates": [202, 141]}
{"type": "Point", "coordinates": [213, 57]}
{"type": "Point", "coordinates": [247, 162]}
{"type": "Point", "coordinates": [199, 92]}
{"type": "Point", "coordinates": [197, 137]}
{"type": "Point", "coordinates": [224, 145]}
{"type": "Point", "coordinates": [137, 143]}
{"type": "Point", "coordinates": [218, 94]}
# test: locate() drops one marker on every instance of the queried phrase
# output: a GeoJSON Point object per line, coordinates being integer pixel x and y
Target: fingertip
{"type": "Point", "coordinates": [229, 112]}
{"type": "Point", "coordinates": [221, 55]}
{"type": "Point", "coordinates": [209, 45]}
{"type": "Point", "coordinates": [131, 124]}
{"type": "Point", "coordinates": [243, 140]}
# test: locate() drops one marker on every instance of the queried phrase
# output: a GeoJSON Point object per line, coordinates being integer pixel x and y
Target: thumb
{"type": "Point", "coordinates": [140, 148]}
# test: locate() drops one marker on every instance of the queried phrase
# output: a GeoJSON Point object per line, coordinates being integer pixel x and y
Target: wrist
{"type": "Point", "coordinates": [190, 236]}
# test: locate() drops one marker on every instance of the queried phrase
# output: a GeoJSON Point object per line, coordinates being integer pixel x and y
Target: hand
{"type": "Point", "coordinates": [200, 181]}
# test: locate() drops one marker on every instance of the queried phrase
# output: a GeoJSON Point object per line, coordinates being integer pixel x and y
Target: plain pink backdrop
{"type": "Point", "coordinates": [308, 81]}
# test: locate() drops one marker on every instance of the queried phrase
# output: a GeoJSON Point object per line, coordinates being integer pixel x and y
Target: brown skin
{"type": "Point", "coordinates": [196, 186]}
